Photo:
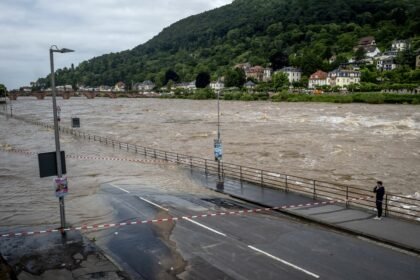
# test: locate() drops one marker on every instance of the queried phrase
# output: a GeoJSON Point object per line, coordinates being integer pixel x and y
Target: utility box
{"type": "Point", "coordinates": [75, 122]}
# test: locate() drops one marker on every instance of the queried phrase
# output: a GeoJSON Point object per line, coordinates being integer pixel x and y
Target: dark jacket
{"type": "Point", "coordinates": [380, 192]}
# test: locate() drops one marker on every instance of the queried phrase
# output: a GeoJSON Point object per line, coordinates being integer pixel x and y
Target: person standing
{"type": "Point", "coordinates": [380, 192]}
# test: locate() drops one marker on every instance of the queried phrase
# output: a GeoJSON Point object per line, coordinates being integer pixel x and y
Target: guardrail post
{"type": "Point", "coordinates": [127, 147]}
{"type": "Point", "coordinates": [191, 166]}
{"type": "Point", "coordinates": [119, 145]}
{"type": "Point", "coordinates": [314, 183]}
{"type": "Point", "coordinates": [286, 183]}
{"type": "Point", "coordinates": [205, 167]}
{"type": "Point", "coordinates": [386, 205]}
{"type": "Point", "coordinates": [145, 152]}
{"type": "Point", "coordinates": [262, 179]}
{"type": "Point", "coordinates": [154, 153]}
{"type": "Point", "coordinates": [135, 148]}
{"type": "Point", "coordinates": [177, 158]}
{"type": "Point", "coordinates": [240, 173]}
{"type": "Point", "coordinates": [347, 196]}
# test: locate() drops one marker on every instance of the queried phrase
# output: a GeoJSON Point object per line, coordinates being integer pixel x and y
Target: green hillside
{"type": "Point", "coordinates": [302, 33]}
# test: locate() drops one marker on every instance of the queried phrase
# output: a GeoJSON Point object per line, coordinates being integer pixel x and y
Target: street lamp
{"type": "Point", "coordinates": [218, 148]}
{"type": "Point", "coordinates": [54, 49]}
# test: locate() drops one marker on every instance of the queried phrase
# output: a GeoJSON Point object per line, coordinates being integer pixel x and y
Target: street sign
{"type": "Point", "coordinates": [75, 122]}
{"type": "Point", "coordinates": [48, 164]}
{"type": "Point", "coordinates": [60, 186]}
{"type": "Point", "coordinates": [218, 150]}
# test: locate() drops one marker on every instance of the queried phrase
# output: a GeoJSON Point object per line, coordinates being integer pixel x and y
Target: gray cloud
{"type": "Point", "coordinates": [91, 27]}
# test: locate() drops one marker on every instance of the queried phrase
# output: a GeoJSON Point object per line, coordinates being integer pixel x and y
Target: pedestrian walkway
{"type": "Point", "coordinates": [394, 231]}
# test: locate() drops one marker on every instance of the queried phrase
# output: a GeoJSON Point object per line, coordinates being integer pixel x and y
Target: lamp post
{"type": "Point", "coordinates": [54, 49]}
{"type": "Point", "coordinates": [218, 149]}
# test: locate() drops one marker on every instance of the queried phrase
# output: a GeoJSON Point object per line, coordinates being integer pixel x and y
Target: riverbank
{"type": "Point", "coordinates": [363, 97]}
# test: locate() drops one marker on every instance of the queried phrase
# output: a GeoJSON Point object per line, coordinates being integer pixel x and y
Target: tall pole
{"type": "Point", "coordinates": [57, 138]}
{"type": "Point", "coordinates": [220, 183]}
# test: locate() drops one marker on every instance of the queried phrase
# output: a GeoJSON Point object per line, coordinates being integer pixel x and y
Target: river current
{"type": "Point", "coordinates": [354, 144]}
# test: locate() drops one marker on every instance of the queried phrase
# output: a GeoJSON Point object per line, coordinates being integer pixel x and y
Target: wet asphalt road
{"type": "Point", "coordinates": [248, 246]}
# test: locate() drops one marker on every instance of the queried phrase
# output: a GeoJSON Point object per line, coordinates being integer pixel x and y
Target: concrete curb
{"type": "Point", "coordinates": [335, 227]}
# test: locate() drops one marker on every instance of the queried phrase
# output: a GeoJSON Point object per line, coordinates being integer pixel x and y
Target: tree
{"type": "Point", "coordinates": [171, 75]}
{"type": "Point", "coordinates": [3, 90]}
{"type": "Point", "coordinates": [360, 53]}
{"type": "Point", "coordinates": [202, 80]}
{"type": "Point", "coordinates": [280, 80]}
{"type": "Point", "coordinates": [279, 60]}
{"type": "Point", "coordinates": [234, 78]}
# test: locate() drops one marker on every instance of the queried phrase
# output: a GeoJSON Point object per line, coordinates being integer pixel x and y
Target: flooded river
{"type": "Point", "coordinates": [355, 144]}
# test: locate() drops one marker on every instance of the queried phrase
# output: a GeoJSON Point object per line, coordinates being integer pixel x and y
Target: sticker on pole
{"type": "Point", "coordinates": [218, 149]}
{"type": "Point", "coordinates": [60, 186]}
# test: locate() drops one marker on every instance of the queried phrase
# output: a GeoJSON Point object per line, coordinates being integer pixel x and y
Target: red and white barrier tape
{"type": "Point", "coordinates": [171, 219]}
{"type": "Point", "coordinates": [28, 153]}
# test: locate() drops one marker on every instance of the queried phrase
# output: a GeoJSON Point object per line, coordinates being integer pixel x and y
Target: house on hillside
{"type": "Point", "coordinates": [243, 66]}
{"type": "Point", "coordinates": [144, 86]}
{"type": "Point", "coordinates": [294, 74]}
{"type": "Point", "coordinates": [343, 77]}
{"type": "Point", "coordinates": [217, 85]}
{"type": "Point", "coordinates": [317, 79]}
{"type": "Point", "coordinates": [186, 85]}
{"type": "Point", "coordinates": [255, 72]}
{"type": "Point", "coordinates": [267, 74]}
{"type": "Point", "coordinates": [399, 45]}
{"type": "Point", "coordinates": [365, 42]}
{"type": "Point", "coordinates": [104, 88]}
{"type": "Point", "coordinates": [120, 86]}
{"type": "Point", "coordinates": [249, 85]}
{"type": "Point", "coordinates": [368, 44]}
{"type": "Point", "coordinates": [372, 51]}
{"type": "Point", "coordinates": [385, 63]}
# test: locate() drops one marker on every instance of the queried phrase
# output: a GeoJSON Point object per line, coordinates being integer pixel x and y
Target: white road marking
{"type": "Point", "coordinates": [203, 226]}
{"type": "Point", "coordinates": [185, 218]}
{"type": "Point", "coordinates": [284, 262]}
{"type": "Point", "coordinates": [112, 185]}
{"type": "Point", "coordinates": [154, 204]}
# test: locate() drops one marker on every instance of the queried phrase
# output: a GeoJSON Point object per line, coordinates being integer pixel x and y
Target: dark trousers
{"type": "Point", "coordinates": [379, 207]}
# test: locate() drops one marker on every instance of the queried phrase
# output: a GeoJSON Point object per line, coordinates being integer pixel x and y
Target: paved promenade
{"type": "Point", "coordinates": [393, 231]}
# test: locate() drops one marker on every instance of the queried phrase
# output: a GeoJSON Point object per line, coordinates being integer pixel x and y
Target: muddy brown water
{"type": "Point", "coordinates": [354, 144]}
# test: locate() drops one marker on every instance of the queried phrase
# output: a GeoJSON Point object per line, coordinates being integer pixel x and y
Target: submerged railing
{"type": "Point", "coordinates": [394, 204]}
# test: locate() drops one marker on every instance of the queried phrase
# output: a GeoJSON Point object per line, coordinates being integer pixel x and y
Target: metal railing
{"type": "Point", "coordinates": [394, 204]}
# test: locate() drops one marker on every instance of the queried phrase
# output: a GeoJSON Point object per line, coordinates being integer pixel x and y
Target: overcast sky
{"type": "Point", "coordinates": [90, 27]}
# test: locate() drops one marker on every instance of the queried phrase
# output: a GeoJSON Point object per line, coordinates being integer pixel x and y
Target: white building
{"type": "Point", "coordinates": [293, 74]}
{"type": "Point", "coordinates": [145, 86]}
{"type": "Point", "coordinates": [317, 79]}
{"type": "Point", "coordinates": [399, 45]}
{"type": "Point", "coordinates": [217, 85]}
{"type": "Point", "coordinates": [342, 77]}
{"type": "Point", "coordinates": [267, 74]}
{"type": "Point", "coordinates": [385, 63]}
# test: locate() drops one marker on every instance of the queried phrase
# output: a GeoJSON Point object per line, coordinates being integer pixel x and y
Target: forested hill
{"type": "Point", "coordinates": [302, 33]}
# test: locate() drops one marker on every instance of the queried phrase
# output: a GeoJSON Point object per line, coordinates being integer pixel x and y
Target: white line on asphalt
{"type": "Point", "coordinates": [283, 261]}
{"type": "Point", "coordinates": [206, 227]}
{"type": "Point", "coordinates": [112, 185]}
{"type": "Point", "coordinates": [154, 204]}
